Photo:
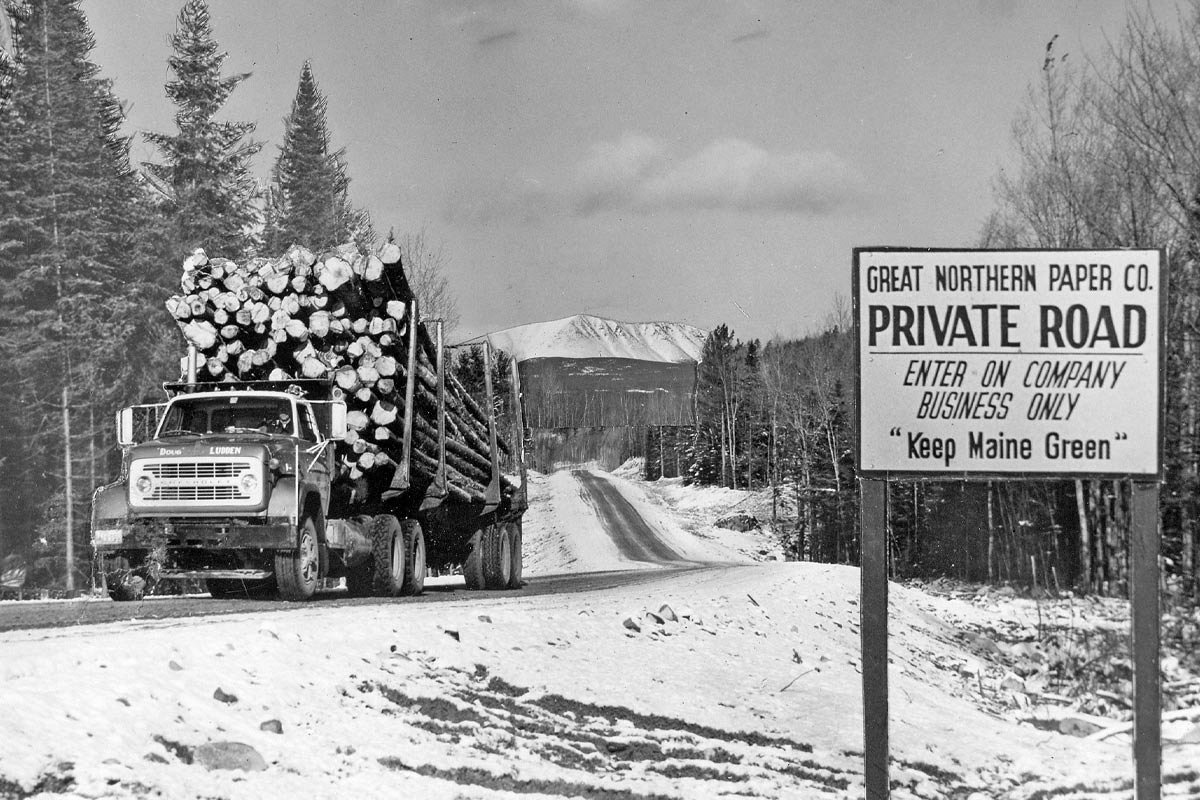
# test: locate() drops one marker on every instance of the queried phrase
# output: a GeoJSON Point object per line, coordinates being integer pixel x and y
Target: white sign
{"type": "Point", "coordinates": [1002, 362]}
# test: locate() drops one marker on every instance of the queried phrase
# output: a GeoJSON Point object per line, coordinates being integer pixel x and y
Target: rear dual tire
{"type": "Point", "coordinates": [398, 557]}
{"type": "Point", "coordinates": [495, 560]}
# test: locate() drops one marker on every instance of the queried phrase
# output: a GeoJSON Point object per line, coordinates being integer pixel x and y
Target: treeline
{"type": "Point", "coordinates": [781, 416]}
{"type": "Point", "coordinates": [1106, 155]}
{"type": "Point", "coordinates": [91, 246]}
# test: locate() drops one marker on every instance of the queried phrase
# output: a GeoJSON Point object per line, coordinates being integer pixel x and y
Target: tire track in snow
{"type": "Point", "coordinates": [636, 540]}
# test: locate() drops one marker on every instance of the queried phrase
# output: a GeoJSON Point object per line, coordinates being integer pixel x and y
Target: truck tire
{"type": "Point", "coordinates": [497, 557]}
{"type": "Point", "coordinates": [516, 580]}
{"type": "Point", "coordinates": [473, 566]}
{"type": "Point", "coordinates": [414, 558]}
{"type": "Point", "coordinates": [387, 555]}
{"type": "Point", "coordinates": [297, 571]}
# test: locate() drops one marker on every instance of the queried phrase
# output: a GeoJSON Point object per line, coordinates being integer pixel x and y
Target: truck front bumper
{"type": "Point", "coordinates": [270, 533]}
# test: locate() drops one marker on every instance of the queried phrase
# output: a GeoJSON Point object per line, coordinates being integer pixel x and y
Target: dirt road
{"type": "Point", "coordinates": [67, 613]}
{"type": "Point", "coordinates": [636, 540]}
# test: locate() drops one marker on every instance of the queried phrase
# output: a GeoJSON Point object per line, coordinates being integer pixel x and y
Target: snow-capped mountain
{"type": "Point", "coordinates": [586, 336]}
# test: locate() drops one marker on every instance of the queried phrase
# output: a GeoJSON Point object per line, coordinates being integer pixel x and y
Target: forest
{"type": "Point", "coordinates": [91, 247]}
{"type": "Point", "coordinates": [1105, 155]}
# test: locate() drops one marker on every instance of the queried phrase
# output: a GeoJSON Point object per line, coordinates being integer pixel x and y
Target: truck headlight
{"type": "Point", "coordinates": [144, 485]}
{"type": "Point", "coordinates": [248, 483]}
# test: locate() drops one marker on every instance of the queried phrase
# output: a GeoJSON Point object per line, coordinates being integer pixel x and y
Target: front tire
{"type": "Point", "coordinates": [297, 571]}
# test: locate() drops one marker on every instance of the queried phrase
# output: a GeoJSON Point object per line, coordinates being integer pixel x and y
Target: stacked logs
{"type": "Point", "coordinates": [343, 315]}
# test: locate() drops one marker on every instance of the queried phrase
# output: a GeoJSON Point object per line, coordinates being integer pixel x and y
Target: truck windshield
{"type": "Point", "coordinates": [235, 413]}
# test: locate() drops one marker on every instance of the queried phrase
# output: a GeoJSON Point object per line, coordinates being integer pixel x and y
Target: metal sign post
{"type": "Point", "coordinates": [1019, 364]}
{"type": "Point", "coordinates": [873, 608]}
{"type": "Point", "coordinates": [1147, 696]}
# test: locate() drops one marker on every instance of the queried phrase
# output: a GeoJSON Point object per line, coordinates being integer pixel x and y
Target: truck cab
{"type": "Point", "coordinates": [233, 488]}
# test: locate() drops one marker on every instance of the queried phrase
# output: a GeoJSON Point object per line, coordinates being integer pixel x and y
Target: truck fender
{"type": "Point", "coordinates": [284, 503]}
{"type": "Point", "coordinates": [283, 498]}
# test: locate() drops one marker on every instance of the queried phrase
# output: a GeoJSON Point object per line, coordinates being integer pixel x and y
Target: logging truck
{"type": "Point", "coordinates": [340, 451]}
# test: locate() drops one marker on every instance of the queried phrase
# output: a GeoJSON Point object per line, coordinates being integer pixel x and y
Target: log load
{"type": "Point", "coordinates": [344, 315]}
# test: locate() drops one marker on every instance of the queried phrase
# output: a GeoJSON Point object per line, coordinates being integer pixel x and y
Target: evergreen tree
{"type": "Point", "coordinates": [206, 168]}
{"type": "Point", "coordinates": [8, 51]}
{"type": "Point", "coordinates": [68, 203]}
{"type": "Point", "coordinates": [715, 448]}
{"type": "Point", "coordinates": [309, 200]}
{"type": "Point", "coordinates": [751, 423]}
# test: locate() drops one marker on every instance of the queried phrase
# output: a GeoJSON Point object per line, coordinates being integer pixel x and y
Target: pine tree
{"type": "Point", "coordinates": [715, 449]}
{"type": "Point", "coordinates": [8, 51]}
{"type": "Point", "coordinates": [309, 200]}
{"type": "Point", "coordinates": [206, 169]}
{"type": "Point", "coordinates": [66, 224]}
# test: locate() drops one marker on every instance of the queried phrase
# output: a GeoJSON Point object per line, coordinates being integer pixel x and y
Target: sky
{"type": "Point", "coordinates": [702, 162]}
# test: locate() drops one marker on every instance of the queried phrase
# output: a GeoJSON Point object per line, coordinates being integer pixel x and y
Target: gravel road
{"type": "Point", "coordinates": [636, 540]}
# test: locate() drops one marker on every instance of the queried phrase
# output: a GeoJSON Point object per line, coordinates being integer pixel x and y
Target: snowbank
{"type": "Point", "coordinates": [745, 684]}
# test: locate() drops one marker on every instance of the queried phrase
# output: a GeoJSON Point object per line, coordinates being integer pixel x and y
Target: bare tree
{"type": "Point", "coordinates": [1108, 155]}
{"type": "Point", "coordinates": [425, 264]}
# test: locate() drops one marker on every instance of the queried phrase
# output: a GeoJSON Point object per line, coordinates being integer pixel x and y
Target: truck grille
{"type": "Point", "coordinates": [194, 469]}
{"type": "Point", "coordinates": [197, 481]}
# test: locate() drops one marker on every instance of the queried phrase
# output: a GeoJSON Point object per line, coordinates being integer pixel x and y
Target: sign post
{"type": "Point", "coordinates": [873, 607]}
{"type": "Point", "coordinates": [1025, 364]}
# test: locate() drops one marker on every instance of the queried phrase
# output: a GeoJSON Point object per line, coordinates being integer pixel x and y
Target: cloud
{"type": "Point", "coordinates": [611, 174]}
{"type": "Point", "coordinates": [750, 37]}
{"type": "Point", "coordinates": [642, 174]}
{"type": "Point", "coordinates": [496, 38]}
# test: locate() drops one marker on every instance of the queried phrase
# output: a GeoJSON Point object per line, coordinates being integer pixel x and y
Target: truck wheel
{"type": "Point", "coordinates": [414, 558]}
{"type": "Point", "coordinates": [473, 566]}
{"type": "Point", "coordinates": [296, 570]}
{"type": "Point", "coordinates": [387, 552]}
{"type": "Point", "coordinates": [516, 580]}
{"type": "Point", "coordinates": [497, 557]}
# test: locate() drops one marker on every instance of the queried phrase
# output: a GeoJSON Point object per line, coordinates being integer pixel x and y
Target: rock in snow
{"type": "Point", "coordinates": [230, 755]}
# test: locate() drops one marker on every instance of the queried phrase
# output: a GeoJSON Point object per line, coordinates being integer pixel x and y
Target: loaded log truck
{"type": "Point", "coordinates": [317, 436]}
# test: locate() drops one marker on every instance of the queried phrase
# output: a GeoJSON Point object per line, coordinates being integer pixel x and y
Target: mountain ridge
{"type": "Point", "coordinates": [589, 336]}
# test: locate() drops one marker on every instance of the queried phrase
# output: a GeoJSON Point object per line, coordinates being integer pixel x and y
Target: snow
{"type": "Point", "coordinates": [561, 532]}
{"type": "Point", "coordinates": [734, 680]}
{"type": "Point", "coordinates": [586, 336]}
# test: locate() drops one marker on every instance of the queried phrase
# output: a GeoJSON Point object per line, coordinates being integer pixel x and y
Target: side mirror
{"type": "Point", "coordinates": [337, 420]}
{"type": "Point", "coordinates": [125, 427]}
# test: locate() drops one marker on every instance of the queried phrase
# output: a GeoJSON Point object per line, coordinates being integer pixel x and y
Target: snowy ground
{"type": "Point", "coordinates": [735, 681]}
